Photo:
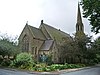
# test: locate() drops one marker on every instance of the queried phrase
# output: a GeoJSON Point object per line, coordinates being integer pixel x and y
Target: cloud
{"type": "Point", "coordinates": [61, 14]}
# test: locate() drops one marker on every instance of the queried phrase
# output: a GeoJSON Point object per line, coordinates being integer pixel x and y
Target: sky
{"type": "Point", "coordinates": [61, 14]}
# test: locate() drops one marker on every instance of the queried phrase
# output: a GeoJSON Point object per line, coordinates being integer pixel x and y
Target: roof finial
{"type": "Point", "coordinates": [41, 21]}
{"type": "Point", "coordinates": [27, 23]}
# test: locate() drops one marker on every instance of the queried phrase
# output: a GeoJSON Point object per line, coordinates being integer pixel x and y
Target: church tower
{"type": "Point", "coordinates": [79, 24]}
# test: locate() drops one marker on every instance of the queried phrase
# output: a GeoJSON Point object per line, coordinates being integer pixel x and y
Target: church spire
{"type": "Point", "coordinates": [79, 19]}
{"type": "Point", "coordinates": [79, 24]}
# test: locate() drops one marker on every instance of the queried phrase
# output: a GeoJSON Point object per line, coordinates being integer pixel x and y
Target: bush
{"type": "Point", "coordinates": [40, 67]}
{"type": "Point", "coordinates": [6, 62]}
{"type": "Point", "coordinates": [23, 61]}
{"type": "Point", "coordinates": [1, 59]}
{"type": "Point", "coordinates": [54, 67]}
{"type": "Point", "coordinates": [49, 60]}
{"type": "Point", "coordinates": [57, 66]}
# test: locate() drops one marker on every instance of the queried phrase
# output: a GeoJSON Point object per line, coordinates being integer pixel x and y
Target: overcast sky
{"type": "Point", "coordinates": [61, 14]}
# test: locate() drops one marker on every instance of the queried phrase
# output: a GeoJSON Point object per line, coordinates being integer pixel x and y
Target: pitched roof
{"type": "Point", "coordinates": [46, 45]}
{"type": "Point", "coordinates": [37, 32]}
{"type": "Point", "coordinates": [56, 34]}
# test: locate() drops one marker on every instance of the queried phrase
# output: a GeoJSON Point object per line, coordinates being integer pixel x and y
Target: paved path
{"type": "Point", "coordinates": [89, 71]}
{"type": "Point", "coordinates": [10, 72]}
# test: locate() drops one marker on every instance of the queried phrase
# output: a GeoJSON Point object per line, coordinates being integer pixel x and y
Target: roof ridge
{"type": "Point", "coordinates": [50, 26]}
{"type": "Point", "coordinates": [34, 27]}
{"type": "Point", "coordinates": [56, 28]}
{"type": "Point", "coordinates": [55, 33]}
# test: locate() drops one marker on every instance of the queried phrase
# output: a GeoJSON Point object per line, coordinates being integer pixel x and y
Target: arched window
{"type": "Point", "coordinates": [25, 44]}
{"type": "Point", "coordinates": [77, 27]}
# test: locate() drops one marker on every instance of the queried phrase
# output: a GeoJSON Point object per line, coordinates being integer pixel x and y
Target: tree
{"type": "Point", "coordinates": [96, 48]}
{"type": "Point", "coordinates": [7, 47]}
{"type": "Point", "coordinates": [91, 10]}
{"type": "Point", "coordinates": [69, 51]}
{"type": "Point", "coordinates": [80, 50]}
{"type": "Point", "coordinates": [84, 43]}
{"type": "Point", "coordinates": [96, 44]}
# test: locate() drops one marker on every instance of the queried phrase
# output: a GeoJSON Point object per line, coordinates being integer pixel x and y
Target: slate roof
{"type": "Point", "coordinates": [56, 34]}
{"type": "Point", "coordinates": [46, 45]}
{"type": "Point", "coordinates": [37, 32]}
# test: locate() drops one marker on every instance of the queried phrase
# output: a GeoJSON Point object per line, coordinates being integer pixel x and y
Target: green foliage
{"type": "Point", "coordinates": [91, 9]}
{"type": "Point", "coordinates": [95, 47]}
{"type": "Point", "coordinates": [8, 47]}
{"type": "Point", "coordinates": [98, 57]}
{"type": "Point", "coordinates": [23, 61]}
{"type": "Point", "coordinates": [49, 60]}
{"type": "Point", "coordinates": [74, 51]}
{"type": "Point", "coordinates": [6, 62]}
{"type": "Point", "coordinates": [67, 50]}
{"type": "Point", "coordinates": [92, 54]}
{"type": "Point", "coordinates": [80, 50]}
{"type": "Point", "coordinates": [55, 67]}
{"type": "Point", "coordinates": [40, 67]}
{"type": "Point", "coordinates": [58, 66]}
{"type": "Point", "coordinates": [1, 59]}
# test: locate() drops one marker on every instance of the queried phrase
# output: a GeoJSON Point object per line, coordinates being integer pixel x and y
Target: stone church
{"type": "Point", "coordinates": [46, 39]}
